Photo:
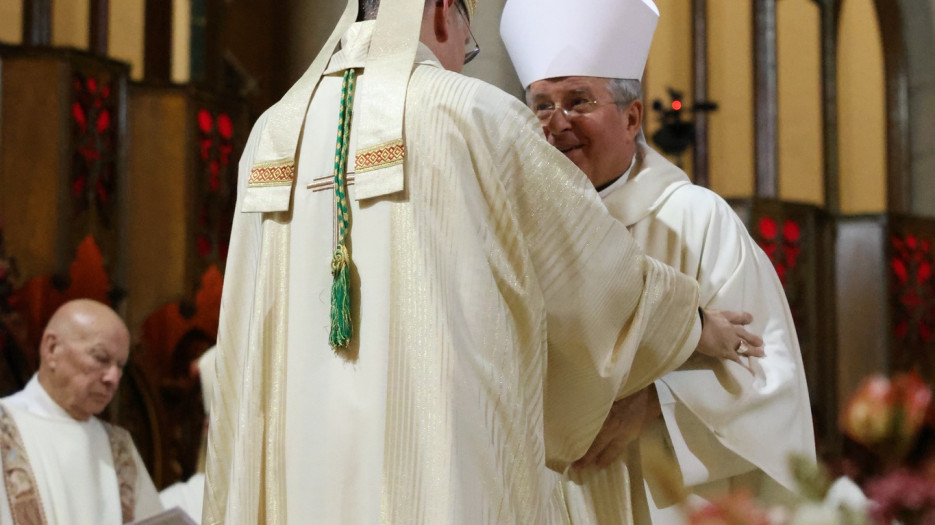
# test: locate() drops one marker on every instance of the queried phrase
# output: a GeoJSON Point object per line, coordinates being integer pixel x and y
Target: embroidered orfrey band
{"type": "Point", "coordinates": [277, 173]}
{"type": "Point", "coordinates": [380, 156]}
{"type": "Point", "coordinates": [125, 466]}
{"type": "Point", "coordinates": [22, 491]}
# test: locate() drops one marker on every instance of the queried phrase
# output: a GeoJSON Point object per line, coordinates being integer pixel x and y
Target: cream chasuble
{"type": "Point", "coordinates": [72, 463]}
{"type": "Point", "coordinates": [453, 395]}
{"type": "Point", "coordinates": [724, 425]}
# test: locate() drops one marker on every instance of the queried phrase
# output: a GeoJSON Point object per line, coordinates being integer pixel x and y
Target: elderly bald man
{"type": "Point", "coordinates": [61, 464]}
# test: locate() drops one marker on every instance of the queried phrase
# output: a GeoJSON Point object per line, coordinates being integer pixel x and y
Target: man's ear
{"type": "Point", "coordinates": [440, 19]}
{"type": "Point", "coordinates": [47, 347]}
{"type": "Point", "coordinates": [634, 116]}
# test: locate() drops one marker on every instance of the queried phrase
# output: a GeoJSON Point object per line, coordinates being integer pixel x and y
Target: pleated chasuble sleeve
{"type": "Point", "coordinates": [228, 424]}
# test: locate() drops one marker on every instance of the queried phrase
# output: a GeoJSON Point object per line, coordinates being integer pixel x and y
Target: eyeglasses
{"type": "Point", "coordinates": [576, 108]}
{"type": "Point", "coordinates": [471, 49]}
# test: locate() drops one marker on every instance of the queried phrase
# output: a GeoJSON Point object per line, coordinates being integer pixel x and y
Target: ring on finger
{"type": "Point", "coordinates": [742, 348]}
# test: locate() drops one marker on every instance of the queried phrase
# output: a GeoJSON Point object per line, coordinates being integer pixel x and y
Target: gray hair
{"type": "Point", "coordinates": [367, 9]}
{"type": "Point", "coordinates": [624, 91]}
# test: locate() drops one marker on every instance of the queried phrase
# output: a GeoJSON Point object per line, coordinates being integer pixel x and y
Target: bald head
{"type": "Point", "coordinates": [82, 354]}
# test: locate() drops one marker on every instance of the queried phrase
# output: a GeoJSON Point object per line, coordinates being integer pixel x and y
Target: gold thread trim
{"type": "Point", "coordinates": [327, 184]}
{"type": "Point", "coordinates": [279, 173]}
{"type": "Point", "coordinates": [21, 488]}
{"type": "Point", "coordinates": [380, 156]}
{"type": "Point", "coordinates": [125, 467]}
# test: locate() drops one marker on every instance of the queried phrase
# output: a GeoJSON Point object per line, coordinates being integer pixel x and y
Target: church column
{"type": "Point", "coordinates": [830, 9]}
{"type": "Point", "coordinates": [37, 22]}
{"type": "Point", "coordinates": [99, 26]}
{"type": "Point", "coordinates": [157, 50]}
{"type": "Point", "coordinates": [700, 70]}
{"type": "Point", "coordinates": [766, 96]}
{"type": "Point", "coordinates": [899, 188]}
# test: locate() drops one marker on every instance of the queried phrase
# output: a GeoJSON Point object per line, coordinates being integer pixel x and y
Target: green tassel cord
{"type": "Point", "coordinates": [341, 324]}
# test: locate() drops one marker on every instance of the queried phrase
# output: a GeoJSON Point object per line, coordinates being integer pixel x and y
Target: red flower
{"type": "Point", "coordinates": [103, 121]}
{"type": "Point", "coordinates": [77, 112]}
{"type": "Point", "coordinates": [869, 413]}
{"type": "Point", "coordinates": [902, 494]}
{"type": "Point", "coordinates": [925, 271]}
{"type": "Point", "coordinates": [737, 508]}
{"type": "Point", "coordinates": [768, 228]}
{"type": "Point", "coordinates": [225, 126]}
{"type": "Point", "coordinates": [205, 122]}
{"type": "Point", "coordinates": [914, 398]}
{"type": "Point", "coordinates": [105, 91]}
{"type": "Point", "coordinates": [791, 231]}
{"type": "Point", "coordinates": [205, 148]}
{"type": "Point", "coordinates": [899, 269]}
{"type": "Point", "coordinates": [92, 84]}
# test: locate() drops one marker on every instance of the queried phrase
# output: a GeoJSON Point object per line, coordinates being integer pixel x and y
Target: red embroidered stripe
{"type": "Point", "coordinates": [271, 175]}
{"type": "Point", "coordinates": [381, 156]}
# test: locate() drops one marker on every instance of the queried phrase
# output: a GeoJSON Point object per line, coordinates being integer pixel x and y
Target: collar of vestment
{"type": "Point", "coordinates": [652, 180]}
{"type": "Point", "coordinates": [355, 44]}
{"type": "Point", "coordinates": [389, 58]}
{"type": "Point", "coordinates": [34, 399]}
{"type": "Point", "coordinates": [619, 181]}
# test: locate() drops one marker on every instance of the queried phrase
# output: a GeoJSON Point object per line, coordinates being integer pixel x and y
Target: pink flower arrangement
{"type": "Point", "coordinates": [903, 495]}
{"type": "Point", "coordinates": [737, 508]}
{"type": "Point", "coordinates": [887, 415]}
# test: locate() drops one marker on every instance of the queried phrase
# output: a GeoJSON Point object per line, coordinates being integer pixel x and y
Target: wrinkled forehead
{"type": "Point", "coordinates": [562, 87]}
{"type": "Point", "coordinates": [111, 338]}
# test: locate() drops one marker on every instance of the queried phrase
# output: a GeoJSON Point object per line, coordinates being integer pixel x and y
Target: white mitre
{"type": "Point", "coordinates": [588, 38]}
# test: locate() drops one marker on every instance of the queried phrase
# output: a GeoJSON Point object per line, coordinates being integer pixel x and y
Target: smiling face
{"type": "Point", "coordinates": [602, 142]}
{"type": "Point", "coordinates": [84, 350]}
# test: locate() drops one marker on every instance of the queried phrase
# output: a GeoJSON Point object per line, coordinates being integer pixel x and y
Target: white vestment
{"type": "Point", "coordinates": [186, 495]}
{"type": "Point", "coordinates": [72, 463]}
{"type": "Point", "coordinates": [725, 425]}
{"type": "Point", "coordinates": [443, 410]}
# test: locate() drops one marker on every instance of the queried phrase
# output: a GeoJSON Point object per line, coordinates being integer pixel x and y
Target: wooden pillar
{"type": "Point", "coordinates": [157, 60]}
{"type": "Point", "coordinates": [829, 11]}
{"type": "Point", "coordinates": [766, 98]}
{"type": "Point", "coordinates": [99, 26]}
{"type": "Point", "coordinates": [37, 22]}
{"type": "Point", "coordinates": [214, 59]}
{"type": "Point", "coordinates": [700, 70]}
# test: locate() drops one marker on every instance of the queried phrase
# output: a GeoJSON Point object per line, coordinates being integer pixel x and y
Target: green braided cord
{"type": "Point", "coordinates": [341, 325]}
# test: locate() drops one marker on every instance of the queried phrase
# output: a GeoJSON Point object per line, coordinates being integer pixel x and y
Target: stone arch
{"type": "Point", "coordinates": [908, 34]}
